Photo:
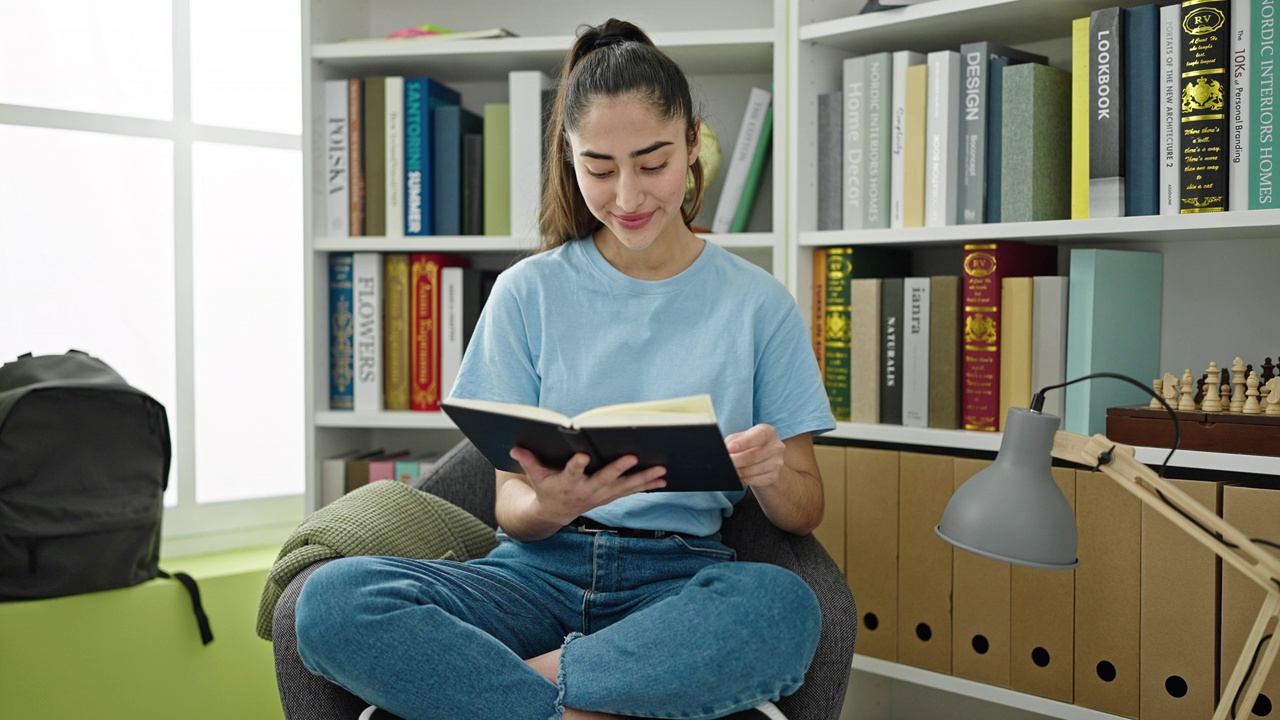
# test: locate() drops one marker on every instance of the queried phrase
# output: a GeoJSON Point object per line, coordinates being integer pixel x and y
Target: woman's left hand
{"type": "Point", "coordinates": [757, 454]}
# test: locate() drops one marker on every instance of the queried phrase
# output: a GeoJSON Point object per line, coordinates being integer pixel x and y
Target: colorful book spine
{"type": "Point", "coordinates": [449, 123]}
{"type": "Point", "coordinates": [890, 368]}
{"type": "Point", "coordinates": [497, 169]}
{"type": "Point", "coordinates": [394, 124]}
{"type": "Point", "coordinates": [985, 267]}
{"type": "Point", "coordinates": [1170, 108]}
{"type": "Point", "coordinates": [750, 189]}
{"type": "Point", "coordinates": [525, 90]}
{"type": "Point", "coordinates": [367, 305]}
{"type": "Point", "coordinates": [1017, 295]}
{"type": "Point", "coordinates": [341, 333]}
{"type": "Point", "coordinates": [1036, 161]}
{"type": "Point", "coordinates": [902, 60]}
{"type": "Point", "coordinates": [878, 140]}
{"type": "Point", "coordinates": [943, 143]}
{"type": "Point", "coordinates": [337, 180]}
{"type": "Point", "coordinates": [1206, 92]}
{"type": "Point", "coordinates": [915, 351]}
{"type": "Point", "coordinates": [422, 95]}
{"type": "Point", "coordinates": [830, 199]}
{"type": "Point", "coordinates": [1106, 113]}
{"type": "Point", "coordinates": [976, 115]}
{"type": "Point", "coordinates": [750, 134]}
{"type": "Point", "coordinates": [1262, 137]}
{"type": "Point", "coordinates": [945, 313]}
{"type": "Point", "coordinates": [1142, 110]}
{"type": "Point", "coordinates": [375, 156]}
{"type": "Point", "coordinates": [995, 140]}
{"type": "Point", "coordinates": [1238, 188]}
{"type": "Point", "coordinates": [1100, 339]}
{"type": "Point", "coordinates": [915, 146]}
{"type": "Point", "coordinates": [855, 110]}
{"type": "Point", "coordinates": [355, 167]}
{"type": "Point", "coordinates": [835, 364]}
{"type": "Point", "coordinates": [1080, 118]}
{"type": "Point", "coordinates": [425, 379]}
{"type": "Point", "coordinates": [818, 309]}
{"type": "Point", "coordinates": [396, 336]}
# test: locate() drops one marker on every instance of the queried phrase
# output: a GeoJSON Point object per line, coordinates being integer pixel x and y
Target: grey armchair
{"type": "Point", "coordinates": [463, 476]}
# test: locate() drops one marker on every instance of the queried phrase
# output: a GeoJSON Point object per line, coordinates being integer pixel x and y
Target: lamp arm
{"type": "Point", "coordinates": [1117, 462]}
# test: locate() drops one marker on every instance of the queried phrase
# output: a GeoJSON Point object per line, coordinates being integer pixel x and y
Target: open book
{"type": "Point", "coordinates": [679, 434]}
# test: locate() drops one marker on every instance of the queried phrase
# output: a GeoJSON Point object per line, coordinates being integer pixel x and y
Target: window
{"type": "Point", "coordinates": [151, 215]}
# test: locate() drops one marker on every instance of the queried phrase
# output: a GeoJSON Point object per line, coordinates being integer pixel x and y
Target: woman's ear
{"type": "Point", "coordinates": [695, 141]}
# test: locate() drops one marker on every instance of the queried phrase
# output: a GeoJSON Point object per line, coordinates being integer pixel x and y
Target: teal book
{"type": "Point", "coordinates": [747, 203]}
{"type": "Point", "coordinates": [421, 96]}
{"type": "Point", "coordinates": [1142, 110]}
{"type": "Point", "coordinates": [342, 358]}
{"type": "Point", "coordinates": [1036, 159]}
{"type": "Point", "coordinates": [877, 149]}
{"type": "Point", "coordinates": [1114, 302]}
{"type": "Point", "coordinates": [449, 124]}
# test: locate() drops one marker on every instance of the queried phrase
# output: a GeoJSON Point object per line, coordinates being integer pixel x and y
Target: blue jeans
{"type": "Point", "coordinates": [656, 628]}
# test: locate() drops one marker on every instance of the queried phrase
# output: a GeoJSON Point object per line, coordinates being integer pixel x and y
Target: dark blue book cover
{"type": "Point", "coordinates": [342, 357]}
{"type": "Point", "coordinates": [1142, 110]}
{"type": "Point", "coordinates": [421, 96]}
{"type": "Point", "coordinates": [993, 132]}
{"type": "Point", "coordinates": [449, 123]}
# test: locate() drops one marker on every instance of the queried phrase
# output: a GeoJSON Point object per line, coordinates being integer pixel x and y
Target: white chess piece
{"type": "Point", "coordinates": [1187, 393]}
{"type": "Point", "coordinates": [1158, 386]}
{"type": "Point", "coordinates": [1212, 401]}
{"type": "Point", "coordinates": [1251, 406]}
{"type": "Point", "coordinates": [1273, 396]}
{"type": "Point", "coordinates": [1237, 385]}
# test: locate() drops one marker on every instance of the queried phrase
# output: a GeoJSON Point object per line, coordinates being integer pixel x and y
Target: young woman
{"type": "Point", "coordinates": [607, 597]}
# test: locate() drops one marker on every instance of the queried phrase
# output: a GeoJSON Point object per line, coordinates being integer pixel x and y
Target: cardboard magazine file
{"type": "Point", "coordinates": [830, 532]}
{"type": "Point", "coordinates": [1255, 511]}
{"type": "Point", "coordinates": [1042, 617]}
{"type": "Point", "coordinates": [980, 613]}
{"type": "Point", "coordinates": [871, 547]}
{"type": "Point", "coordinates": [924, 561]}
{"type": "Point", "coordinates": [1108, 595]}
{"type": "Point", "coordinates": [1179, 638]}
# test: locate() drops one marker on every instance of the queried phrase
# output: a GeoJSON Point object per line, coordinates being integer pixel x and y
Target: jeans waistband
{"type": "Point", "coordinates": [587, 525]}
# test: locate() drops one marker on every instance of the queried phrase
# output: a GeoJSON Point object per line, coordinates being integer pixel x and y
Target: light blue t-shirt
{"type": "Point", "coordinates": [566, 330]}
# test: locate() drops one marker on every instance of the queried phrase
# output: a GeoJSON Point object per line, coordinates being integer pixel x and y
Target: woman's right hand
{"type": "Point", "coordinates": [564, 494]}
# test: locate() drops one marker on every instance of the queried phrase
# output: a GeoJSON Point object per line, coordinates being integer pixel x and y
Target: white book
{"type": "Point", "coordinates": [366, 282]}
{"type": "Point", "coordinates": [902, 60]}
{"type": "Point", "coordinates": [915, 351]}
{"type": "Point", "coordinates": [451, 320]}
{"type": "Point", "coordinates": [942, 130]}
{"type": "Point", "coordinates": [337, 204]}
{"type": "Point", "coordinates": [744, 150]}
{"type": "Point", "coordinates": [333, 477]}
{"type": "Point", "coordinates": [525, 89]}
{"type": "Point", "coordinates": [395, 156]}
{"type": "Point", "coordinates": [1238, 189]}
{"type": "Point", "coordinates": [855, 112]}
{"type": "Point", "coordinates": [1049, 338]}
{"type": "Point", "coordinates": [1170, 201]}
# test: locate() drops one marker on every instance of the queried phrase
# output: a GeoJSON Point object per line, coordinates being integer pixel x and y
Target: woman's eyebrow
{"type": "Point", "coordinates": [642, 151]}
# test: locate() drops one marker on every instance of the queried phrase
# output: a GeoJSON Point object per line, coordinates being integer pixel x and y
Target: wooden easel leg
{"type": "Point", "coordinates": [1269, 614]}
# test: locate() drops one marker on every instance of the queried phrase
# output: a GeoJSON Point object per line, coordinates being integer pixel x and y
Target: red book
{"type": "Point", "coordinates": [985, 265]}
{"type": "Point", "coordinates": [424, 328]}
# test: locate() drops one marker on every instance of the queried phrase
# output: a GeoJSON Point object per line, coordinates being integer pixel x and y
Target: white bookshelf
{"type": "Point", "coordinates": [1214, 282]}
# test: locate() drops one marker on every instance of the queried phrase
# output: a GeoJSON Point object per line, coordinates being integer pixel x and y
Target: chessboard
{"type": "Point", "coordinates": [1231, 410]}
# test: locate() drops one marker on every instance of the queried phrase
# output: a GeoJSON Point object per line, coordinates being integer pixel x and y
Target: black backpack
{"type": "Point", "coordinates": [84, 463]}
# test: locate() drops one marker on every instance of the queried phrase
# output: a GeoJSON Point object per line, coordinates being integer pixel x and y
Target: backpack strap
{"type": "Point", "coordinates": [188, 582]}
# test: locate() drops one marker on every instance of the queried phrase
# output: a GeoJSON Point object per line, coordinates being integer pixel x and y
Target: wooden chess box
{"type": "Point", "coordinates": [1226, 432]}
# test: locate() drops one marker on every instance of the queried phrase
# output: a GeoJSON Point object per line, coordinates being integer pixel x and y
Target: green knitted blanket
{"type": "Point", "coordinates": [382, 518]}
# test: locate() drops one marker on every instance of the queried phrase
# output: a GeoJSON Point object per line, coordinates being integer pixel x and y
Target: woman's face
{"type": "Point", "coordinates": [631, 164]}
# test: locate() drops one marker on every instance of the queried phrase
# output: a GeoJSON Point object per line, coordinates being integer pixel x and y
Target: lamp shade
{"type": "Point", "coordinates": [1013, 511]}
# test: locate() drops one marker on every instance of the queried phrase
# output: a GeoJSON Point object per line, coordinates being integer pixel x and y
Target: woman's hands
{"type": "Point", "coordinates": [783, 475]}
{"type": "Point", "coordinates": [551, 498]}
{"type": "Point", "coordinates": [758, 455]}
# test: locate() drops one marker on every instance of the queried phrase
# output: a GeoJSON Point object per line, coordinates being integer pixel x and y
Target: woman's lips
{"type": "Point", "coordinates": [633, 222]}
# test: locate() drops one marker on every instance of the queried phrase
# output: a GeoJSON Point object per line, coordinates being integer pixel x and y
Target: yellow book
{"type": "Point", "coordinates": [395, 351]}
{"type": "Point", "coordinates": [1016, 332]}
{"type": "Point", "coordinates": [913, 146]}
{"type": "Point", "coordinates": [1079, 120]}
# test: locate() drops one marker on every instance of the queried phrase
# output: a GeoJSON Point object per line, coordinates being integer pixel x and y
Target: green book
{"type": "Point", "coordinates": [1036, 144]}
{"type": "Point", "coordinates": [747, 202]}
{"type": "Point", "coordinates": [497, 169]}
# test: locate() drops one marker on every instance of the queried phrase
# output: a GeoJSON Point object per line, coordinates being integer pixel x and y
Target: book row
{"type": "Point", "coordinates": [343, 473]}
{"type": "Point", "coordinates": [398, 325]}
{"type": "Point", "coordinates": [955, 351]}
{"type": "Point", "coordinates": [1148, 626]}
{"type": "Point", "coordinates": [1151, 119]}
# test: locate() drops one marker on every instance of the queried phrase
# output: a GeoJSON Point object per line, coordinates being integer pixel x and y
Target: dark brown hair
{"type": "Point", "coordinates": [608, 60]}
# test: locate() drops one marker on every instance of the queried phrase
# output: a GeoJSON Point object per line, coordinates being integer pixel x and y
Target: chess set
{"type": "Point", "coordinates": [1233, 410]}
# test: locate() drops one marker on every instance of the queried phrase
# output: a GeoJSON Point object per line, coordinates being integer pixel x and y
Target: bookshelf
{"type": "Point", "coordinates": [1210, 301]}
